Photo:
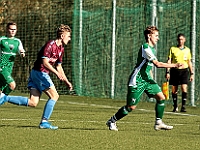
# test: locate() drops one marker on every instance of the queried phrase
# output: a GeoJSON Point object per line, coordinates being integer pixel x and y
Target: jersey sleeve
{"type": "Point", "coordinates": [189, 55]}
{"type": "Point", "coordinates": [47, 51]}
{"type": "Point", "coordinates": [170, 53]}
{"type": "Point", "coordinates": [20, 47]}
{"type": "Point", "coordinates": [148, 53]}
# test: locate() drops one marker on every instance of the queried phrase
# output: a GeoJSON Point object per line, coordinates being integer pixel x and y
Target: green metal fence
{"type": "Point", "coordinates": [105, 39]}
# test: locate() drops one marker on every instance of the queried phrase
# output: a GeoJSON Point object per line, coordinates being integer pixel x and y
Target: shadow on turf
{"type": "Point", "coordinates": [60, 128]}
{"type": "Point", "coordinates": [1, 126]}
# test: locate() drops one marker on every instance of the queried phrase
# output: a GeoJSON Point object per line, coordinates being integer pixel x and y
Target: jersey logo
{"type": "Point", "coordinates": [52, 60]}
{"type": "Point", "coordinates": [133, 100]}
{"type": "Point", "coordinates": [11, 46]}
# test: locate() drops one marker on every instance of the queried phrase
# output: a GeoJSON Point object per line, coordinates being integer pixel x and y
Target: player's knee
{"type": "Point", "coordinates": [55, 96]}
{"type": "Point", "coordinates": [132, 107]}
{"type": "Point", "coordinates": [161, 102]}
{"type": "Point", "coordinates": [32, 103]}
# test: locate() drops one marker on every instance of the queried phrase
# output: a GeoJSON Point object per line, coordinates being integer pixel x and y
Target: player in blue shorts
{"type": "Point", "coordinates": [141, 81]}
{"type": "Point", "coordinates": [39, 81]}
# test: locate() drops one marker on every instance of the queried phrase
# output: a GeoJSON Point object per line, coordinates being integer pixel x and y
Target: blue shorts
{"type": "Point", "coordinates": [39, 80]}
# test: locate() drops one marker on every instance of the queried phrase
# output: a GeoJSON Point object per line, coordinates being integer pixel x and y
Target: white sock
{"type": "Point", "coordinates": [43, 120]}
{"type": "Point", "coordinates": [2, 95]}
{"type": "Point", "coordinates": [158, 121]}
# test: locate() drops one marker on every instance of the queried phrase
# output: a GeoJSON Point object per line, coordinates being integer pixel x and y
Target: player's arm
{"type": "Point", "coordinates": [167, 75]}
{"type": "Point", "coordinates": [190, 66]}
{"type": "Point", "coordinates": [21, 49]}
{"type": "Point", "coordinates": [151, 73]}
{"type": "Point", "coordinates": [159, 64]}
{"type": "Point", "coordinates": [191, 70]}
{"type": "Point", "coordinates": [61, 71]}
{"type": "Point", "coordinates": [58, 71]}
{"type": "Point", "coordinates": [169, 61]}
{"type": "Point", "coordinates": [46, 63]}
{"type": "Point", "coordinates": [148, 54]}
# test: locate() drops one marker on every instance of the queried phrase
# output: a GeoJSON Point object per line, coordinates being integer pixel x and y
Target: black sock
{"type": "Point", "coordinates": [175, 101]}
{"type": "Point", "coordinates": [184, 98]}
{"type": "Point", "coordinates": [122, 112]}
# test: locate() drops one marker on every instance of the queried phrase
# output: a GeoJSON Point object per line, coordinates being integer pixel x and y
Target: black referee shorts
{"type": "Point", "coordinates": [178, 76]}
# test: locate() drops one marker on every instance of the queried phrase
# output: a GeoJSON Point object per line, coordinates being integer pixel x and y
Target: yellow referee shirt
{"type": "Point", "coordinates": [178, 55]}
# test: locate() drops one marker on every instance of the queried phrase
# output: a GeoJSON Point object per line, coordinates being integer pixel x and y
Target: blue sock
{"type": "Point", "coordinates": [17, 100]}
{"type": "Point", "coordinates": [48, 109]}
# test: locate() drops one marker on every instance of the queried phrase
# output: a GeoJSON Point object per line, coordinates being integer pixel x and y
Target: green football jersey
{"type": "Point", "coordinates": [9, 47]}
{"type": "Point", "coordinates": [143, 66]}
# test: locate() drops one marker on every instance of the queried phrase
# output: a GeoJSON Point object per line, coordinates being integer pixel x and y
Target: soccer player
{"type": "Point", "coordinates": [141, 81]}
{"type": "Point", "coordinates": [179, 76]}
{"type": "Point", "coordinates": [10, 46]}
{"type": "Point", "coordinates": [39, 80]}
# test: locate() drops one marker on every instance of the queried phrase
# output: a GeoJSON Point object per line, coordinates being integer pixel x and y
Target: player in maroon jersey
{"type": "Point", "coordinates": [49, 59]}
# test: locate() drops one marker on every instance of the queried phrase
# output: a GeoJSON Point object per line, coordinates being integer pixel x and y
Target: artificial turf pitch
{"type": "Point", "coordinates": [81, 122]}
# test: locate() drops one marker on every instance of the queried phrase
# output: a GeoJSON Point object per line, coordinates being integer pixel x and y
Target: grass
{"type": "Point", "coordinates": [81, 122]}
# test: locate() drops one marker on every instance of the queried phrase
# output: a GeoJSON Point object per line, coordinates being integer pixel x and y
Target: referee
{"type": "Point", "coordinates": [180, 76]}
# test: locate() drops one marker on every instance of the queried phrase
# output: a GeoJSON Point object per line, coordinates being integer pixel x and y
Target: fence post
{"type": "Point", "coordinates": [193, 47]}
{"type": "Point", "coordinates": [113, 51]}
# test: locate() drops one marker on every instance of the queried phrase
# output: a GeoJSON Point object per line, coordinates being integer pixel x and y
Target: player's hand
{"type": "Point", "coordinates": [179, 65]}
{"type": "Point", "coordinates": [191, 77]}
{"type": "Point", "coordinates": [60, 76]}
{"type": "Point", "coordinates": [167, 76]}
{"type": "Point", "coordinates": [70, 86]}
{"type": "Point", "coordinates": [22, 54]}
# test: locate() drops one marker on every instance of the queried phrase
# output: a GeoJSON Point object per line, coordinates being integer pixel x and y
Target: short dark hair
{"type": "Point", "coordinates": [10, 23]}
{"type": "Point", "coordinates": [179, 35]}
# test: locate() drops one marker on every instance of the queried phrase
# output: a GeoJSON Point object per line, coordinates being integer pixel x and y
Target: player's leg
{"type": "Point", "coordinates": [48, 109]}
{"type": "Point", "coordinates": [174, 81]}
{"type": "Point", "coordinates": [3, 84]}
{"type": "Point", "coordinates": [175, 98]}
{"type": "Point", "coordinates": [34, 97]}
{"type": "Point", "coordinates": [184, 97]}
{"type": "Point", "coordinates": [153, 90]}
{"type": "Point", "coordinates": [9, 88]}
{"type": "Point", "coordinates": [184, 82]}
{"type": "Point", "coordinates": [159, 109]}
{"type": "Point", "coordinates": [7, 84]}
{"type": "Point", "coordinates": [17, 100]}
{"type": "Point", "coordinates": [133, 97]}
{"type": "Point", "coordinates": [42, 82]}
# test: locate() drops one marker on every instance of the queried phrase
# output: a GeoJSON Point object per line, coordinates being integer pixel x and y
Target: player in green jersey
{"type": "Point", "coordinates": [9, 47]}
{"type": "Point", "coordinates": [141, 81]}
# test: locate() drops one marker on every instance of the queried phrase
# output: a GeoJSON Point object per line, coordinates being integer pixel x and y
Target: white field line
{"type": "Point", "coordinates": [101, 106]}
{"type": "Point", "coordinates": [106, 106]}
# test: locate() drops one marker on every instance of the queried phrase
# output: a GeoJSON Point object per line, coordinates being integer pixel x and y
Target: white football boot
{"type": "Point", "coordinates": [112, 126]}
{"type": "Point", "coordinates": [159, 125]}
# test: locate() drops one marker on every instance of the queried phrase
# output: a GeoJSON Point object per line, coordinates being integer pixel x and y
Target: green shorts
{"type": "Point", "coordinates": [150, 87]}
{"type": "Point", "coordinates": [5, 78]}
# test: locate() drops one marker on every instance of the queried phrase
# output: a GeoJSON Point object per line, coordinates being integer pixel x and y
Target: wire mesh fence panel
{"type": "Point", "coordinates": [37, 21]}
{"type": "Point", "coordinates": [88, 60]}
